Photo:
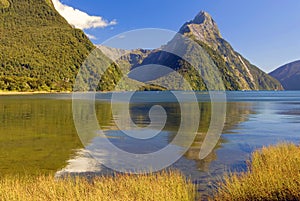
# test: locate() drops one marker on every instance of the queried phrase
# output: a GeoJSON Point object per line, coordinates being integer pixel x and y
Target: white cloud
{"type": "Point", "coordinates": [91, 36]}
{"type": "Point", "coordinates": [80, 19]}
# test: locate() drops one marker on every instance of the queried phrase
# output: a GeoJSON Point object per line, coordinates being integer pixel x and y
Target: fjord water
{"type": "Point", "coordinates": [37, 132]}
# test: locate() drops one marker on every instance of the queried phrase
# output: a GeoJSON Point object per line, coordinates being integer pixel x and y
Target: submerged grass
{"type": "Point", "coordinates": [159, 186]}
{"type": "Point", "coordinates": [273, 174]}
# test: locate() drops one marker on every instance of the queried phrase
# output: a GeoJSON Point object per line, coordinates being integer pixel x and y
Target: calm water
{"type": "Point", "coordinates": [37, 132]}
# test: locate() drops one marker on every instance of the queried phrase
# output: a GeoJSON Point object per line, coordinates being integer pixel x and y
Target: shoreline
{"type": "Point", "coordinates": [7, 93]}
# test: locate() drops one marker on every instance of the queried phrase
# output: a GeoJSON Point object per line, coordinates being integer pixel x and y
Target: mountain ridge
{"type": "Point", "coordinates": [288, 75]}
{"type": "Point", "coordinates": [236, 71]}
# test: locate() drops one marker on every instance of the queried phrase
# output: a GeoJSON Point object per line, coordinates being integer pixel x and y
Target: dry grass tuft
{"type": "Point", "coordinates": [161, 186]}
{"type": "Point", "coordinates": [273, 174]}
{"type": "Point", "coordinates": [4, 4]}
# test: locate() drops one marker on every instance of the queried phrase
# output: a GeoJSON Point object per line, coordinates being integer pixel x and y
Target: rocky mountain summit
{"type": "Point", "coordinates": [203, 28]}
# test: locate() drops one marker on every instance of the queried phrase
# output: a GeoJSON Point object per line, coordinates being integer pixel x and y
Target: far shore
{"type": "Point", "coordinates": [3, 93]}
{"type": "Point", "coordinates": [7, 93]}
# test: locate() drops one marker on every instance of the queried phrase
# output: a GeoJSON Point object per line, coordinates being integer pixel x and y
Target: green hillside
{"type": "Point", "coordinates": [39, 49]}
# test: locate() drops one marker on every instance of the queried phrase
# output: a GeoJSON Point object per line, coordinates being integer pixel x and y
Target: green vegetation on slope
{"type": "Point", "coordinates": [39, 49]}
{"type": "Point", "coordinates": [231, 82]}
{"type": "Point", "coordinates": [273, 174]}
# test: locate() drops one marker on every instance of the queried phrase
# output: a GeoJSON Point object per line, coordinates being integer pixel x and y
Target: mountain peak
{"type": "Point", "coordinates": [203, 28]}
{"type": "Point", "coordinates": [203, 17]}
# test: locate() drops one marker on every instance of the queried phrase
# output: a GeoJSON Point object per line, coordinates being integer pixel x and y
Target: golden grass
{"type": "Point", "coordinates": [4, 4]}
{"type": "Point", "coordinates": [273, 174]}
{"type": "Point", "coordinates": [161, 186]}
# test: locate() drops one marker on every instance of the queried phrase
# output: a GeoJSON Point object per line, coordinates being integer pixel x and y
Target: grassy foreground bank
{"type": "Point", "coordinates": [273, 174]}
{"type": "Point", "coordinates": [169, 186]}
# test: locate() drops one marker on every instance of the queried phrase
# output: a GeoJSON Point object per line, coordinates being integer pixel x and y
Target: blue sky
{"type": "Point", "coordinates": [267, 32]}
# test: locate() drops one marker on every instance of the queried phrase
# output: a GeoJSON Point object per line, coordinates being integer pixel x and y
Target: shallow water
{"type": "Point", "coordinates": [37, 132]}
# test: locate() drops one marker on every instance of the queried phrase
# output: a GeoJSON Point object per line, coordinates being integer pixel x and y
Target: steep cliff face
{"type": "Point", "coordinates": [288, 75]}
{"type": "Point", "coordinates": [239, 72]}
